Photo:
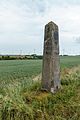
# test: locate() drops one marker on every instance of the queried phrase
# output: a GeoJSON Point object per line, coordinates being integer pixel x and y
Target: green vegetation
{"type": "Point", "coordinates": [69, 61]}
{"type": "Point", "coordinates": [18, 69]}
{"type": "Point", "coordinates": [20, 57]}
{"type": "Point", "coordinates": [21, 98]}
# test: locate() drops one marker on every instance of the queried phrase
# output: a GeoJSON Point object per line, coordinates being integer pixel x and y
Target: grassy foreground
{"type": "Point", "coordinates": [21, 98]}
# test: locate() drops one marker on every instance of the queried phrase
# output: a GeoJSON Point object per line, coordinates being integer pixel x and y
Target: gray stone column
{"type": "Point", "coordinates": [51, 61]}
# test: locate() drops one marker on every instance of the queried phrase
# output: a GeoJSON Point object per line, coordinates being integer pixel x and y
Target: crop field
{"type": "Point", "coordinates": [21, 98]}
{"type": "Point", "coordinates": [18, 69]}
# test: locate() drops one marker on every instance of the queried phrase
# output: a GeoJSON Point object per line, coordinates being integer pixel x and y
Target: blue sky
{"type": "Point", "coordinates": [22, 25]}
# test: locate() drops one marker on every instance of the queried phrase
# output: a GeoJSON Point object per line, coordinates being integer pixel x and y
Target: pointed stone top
{"type": "Point", "coordinates": [51, 22]}
{"type": "Point", "coordinates": [51, 25]}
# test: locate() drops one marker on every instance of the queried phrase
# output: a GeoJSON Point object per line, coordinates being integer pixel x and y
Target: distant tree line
{"type": "Point", "coordinates": [20, 57]}
{"type": "Point", "coordinates": [23, 57]}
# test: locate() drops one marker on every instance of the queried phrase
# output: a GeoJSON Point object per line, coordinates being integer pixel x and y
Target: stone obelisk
{"type": "Point", "coordinates": [51, 60]}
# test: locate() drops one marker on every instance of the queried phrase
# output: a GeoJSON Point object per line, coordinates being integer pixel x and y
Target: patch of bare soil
{"type": "Point", "coordinates": [37, 78]}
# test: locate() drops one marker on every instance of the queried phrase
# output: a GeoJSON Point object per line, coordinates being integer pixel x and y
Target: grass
{"type": "Point", "coordinates": [21, 98]}
{"type": "Point", "coordinates": [69, 61]}
{"type": "Point", "coordinates": [13, 69]}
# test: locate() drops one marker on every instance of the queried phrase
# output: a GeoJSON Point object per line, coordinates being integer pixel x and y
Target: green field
{"type": "Point", "coordinates": [69, 61]}
{"type": "Point", "coordinates": [18, 69]}
{"type": "Point", "coordinates": [21, 98]}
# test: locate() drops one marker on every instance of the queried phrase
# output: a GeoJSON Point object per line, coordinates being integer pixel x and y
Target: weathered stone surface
{"type": "Point", "coordinates": [51, 61]}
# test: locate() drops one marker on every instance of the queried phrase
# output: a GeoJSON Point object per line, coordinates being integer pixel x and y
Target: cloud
{"type": "Point", "coordinates": [22, 23]}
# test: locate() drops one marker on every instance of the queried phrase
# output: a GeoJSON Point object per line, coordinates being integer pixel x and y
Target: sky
{"type": "Point", "coordinates": [22, 25]}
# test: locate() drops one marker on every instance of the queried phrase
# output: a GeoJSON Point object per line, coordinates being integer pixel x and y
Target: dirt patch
{"type": "Point", "coordinates": [37, 78]}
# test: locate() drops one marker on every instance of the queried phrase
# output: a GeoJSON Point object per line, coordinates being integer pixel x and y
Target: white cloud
{"type": "Point", "coordinates": [22, 23]}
